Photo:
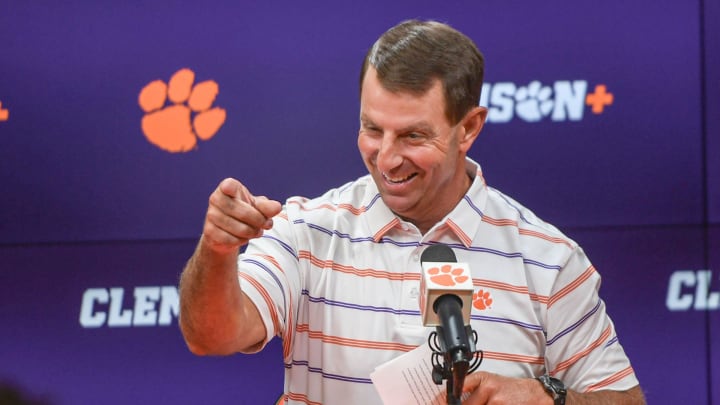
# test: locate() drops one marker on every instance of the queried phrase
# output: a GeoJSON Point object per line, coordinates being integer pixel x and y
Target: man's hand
{"type": "Point", "coordinates": [216, 317]}
{"type": "Point", "coordinates": [489, 388]}
{"type": "Point", "coordinates": [235, 216]}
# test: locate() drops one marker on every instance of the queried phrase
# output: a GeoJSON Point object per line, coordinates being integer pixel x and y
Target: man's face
{"type": "Point", "coordinates": [415, 156]}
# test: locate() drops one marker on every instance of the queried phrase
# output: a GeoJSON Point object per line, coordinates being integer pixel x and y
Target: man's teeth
{"type": "Point", "coordinates": [398, 179]}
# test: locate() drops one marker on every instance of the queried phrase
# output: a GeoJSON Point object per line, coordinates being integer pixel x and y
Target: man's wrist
{"type": "Point", "coordinates": [554, 388]}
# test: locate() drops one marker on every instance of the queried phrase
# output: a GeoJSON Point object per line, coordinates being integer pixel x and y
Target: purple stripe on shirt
{"type": "Point", "coordinates": [369, 308]}
{"type": "Point", "coordinates": [475, 249]}
{"type": "Point", "coordinates": [543, 265]}
{"type": "Point", "coordinates": [472, 205]}
{"type": "Point", "coordinates": [612, 341]}
{"type": "Point", "coordinates": [271, 273]}
{"type": "Point", "coordinates": [318, 370]}
{"type": "Point", "coordinates": [331, 232]}
{"type": "Point", "coordinates": [508, 321]}
{"type": "Point", "coordinates": [501, 195]}
{"type": "Point", "coordinates": [575, 325]}
{"type": "Point", "coordinates": [283, 244]}
{"type": "Point", "coordinates": [372, 202]}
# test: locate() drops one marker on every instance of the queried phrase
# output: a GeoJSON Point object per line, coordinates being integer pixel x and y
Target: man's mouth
{"type": "Point", "coordinates": [398, 180]}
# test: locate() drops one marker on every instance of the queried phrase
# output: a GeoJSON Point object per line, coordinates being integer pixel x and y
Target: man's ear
{"type": "Point", "coordinates": [472, 124]}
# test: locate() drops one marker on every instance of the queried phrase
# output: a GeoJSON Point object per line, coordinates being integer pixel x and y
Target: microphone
{"type": "Point", "coordinates": [443, 279]}
{"type": "Point", "coordinates": [446, 291]}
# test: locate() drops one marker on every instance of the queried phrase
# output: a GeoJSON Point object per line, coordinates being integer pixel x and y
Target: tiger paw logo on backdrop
{"type": "Point", "coordinates": [4, 114]}
{"type": "Point", "coordinates": [564, 100]}
{"type": "Point", "coordinates": [176, 126]}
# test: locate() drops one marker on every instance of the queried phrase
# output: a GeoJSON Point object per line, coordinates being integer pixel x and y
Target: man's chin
{"type": "Point", "coordinates": [397, 204]}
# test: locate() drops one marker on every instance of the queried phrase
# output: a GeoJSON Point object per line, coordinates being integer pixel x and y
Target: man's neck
{"type": "Point", "coordinates": [425, 226]}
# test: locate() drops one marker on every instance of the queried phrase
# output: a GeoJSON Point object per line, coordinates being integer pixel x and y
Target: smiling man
{"type": "Point", "coordinates": [414, 155]}
{"type": "Point", "coordinates": [336, 276]}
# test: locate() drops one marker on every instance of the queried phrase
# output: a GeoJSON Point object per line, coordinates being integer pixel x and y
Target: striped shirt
{"type": "Point", "coordinates": [337, 278]}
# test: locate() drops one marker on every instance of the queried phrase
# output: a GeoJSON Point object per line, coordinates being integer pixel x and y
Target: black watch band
{"type": "Point", "coordinates": [554, 387]}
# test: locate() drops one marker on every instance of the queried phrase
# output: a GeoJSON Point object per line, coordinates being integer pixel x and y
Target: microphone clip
{"type": "Point", "coordinates": [453, 365]}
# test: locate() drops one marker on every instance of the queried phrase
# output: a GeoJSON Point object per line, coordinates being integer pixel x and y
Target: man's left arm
{"type": "Point", "coordinates": [496, 389]}
{"type": "Point", "coordinates": [632, 396]}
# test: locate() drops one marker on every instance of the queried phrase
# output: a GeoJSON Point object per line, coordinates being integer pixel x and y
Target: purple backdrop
{"type": "Point", "coordinates": [92, 210]}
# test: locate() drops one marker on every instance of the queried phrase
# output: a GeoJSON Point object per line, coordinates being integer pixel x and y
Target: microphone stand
{"type": "Point", "coordinates": [451, 343]}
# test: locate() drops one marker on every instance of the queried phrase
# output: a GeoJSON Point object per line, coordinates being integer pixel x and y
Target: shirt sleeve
{"type": "Point", "coordinates": [583, 349]}
{"type": "Point", "coordinates": [270, 276]}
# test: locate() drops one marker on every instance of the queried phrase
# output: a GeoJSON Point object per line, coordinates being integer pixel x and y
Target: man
{"type": "Point", "coordinates": [337, 276]}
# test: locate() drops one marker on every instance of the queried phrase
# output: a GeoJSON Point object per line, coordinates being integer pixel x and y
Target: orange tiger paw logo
{"type": "Point", "coordinates": [4, 114]}
{"type": "Point", "coordinates": [446, 275]}
{"type": "Point", "coordinates": [177, 127]}
{"type": "Point", "coordinates": [482, 300]}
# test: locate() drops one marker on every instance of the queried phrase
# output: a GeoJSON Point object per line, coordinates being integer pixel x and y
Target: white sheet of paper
{"type": "Point", "coordinates": [407, 380]}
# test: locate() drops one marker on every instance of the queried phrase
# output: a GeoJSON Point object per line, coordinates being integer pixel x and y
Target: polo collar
{"type": "Point", "coordinates": [464, 220]}
{"type": "Point", "coordinates": [380, 218]}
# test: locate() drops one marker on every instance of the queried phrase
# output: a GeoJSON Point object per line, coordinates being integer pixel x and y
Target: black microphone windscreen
{"type": "Point", "coordinates": [438, 253]}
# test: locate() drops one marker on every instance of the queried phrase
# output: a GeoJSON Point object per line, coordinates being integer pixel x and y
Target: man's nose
{"type": "Point", "coordinates": [388, 156]}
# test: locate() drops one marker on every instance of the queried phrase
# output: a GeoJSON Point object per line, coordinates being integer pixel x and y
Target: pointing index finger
{"type": "Point", "coordinates": [268, 208]}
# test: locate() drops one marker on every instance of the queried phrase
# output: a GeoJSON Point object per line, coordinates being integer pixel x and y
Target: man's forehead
{"type": "Point", "coordinates": [420, 125]}
{"type": "Point", "coordinates": [371, 76]}
{"type": "Point", "coordinates": [386, 109]}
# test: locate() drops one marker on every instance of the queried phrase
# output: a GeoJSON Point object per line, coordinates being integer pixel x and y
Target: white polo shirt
{"type": "Point", "coordinates": [337, 278]}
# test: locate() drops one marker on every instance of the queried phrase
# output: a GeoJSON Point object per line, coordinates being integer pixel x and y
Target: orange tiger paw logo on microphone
{"type": "Point", "coordinates": [446, 275]}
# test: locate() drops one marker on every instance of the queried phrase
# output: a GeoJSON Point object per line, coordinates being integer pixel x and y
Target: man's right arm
{"type": "Point", "coordinates": [216, 317]}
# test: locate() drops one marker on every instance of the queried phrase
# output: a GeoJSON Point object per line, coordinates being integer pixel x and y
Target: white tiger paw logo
{"type": "Point", "coordinates": [533, 101]}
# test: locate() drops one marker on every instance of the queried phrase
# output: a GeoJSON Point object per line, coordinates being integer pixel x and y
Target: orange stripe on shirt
{"type": "Point", "coordinates": [348, 207]}
{"type": "Point", "coordinates": [301, 398]}
{"type": "Point", "coordinates": [574, 359]}
{"type": "Point", "coordinates": [499, 222]}
{"type": "Point", "coordinates": [539, 298]}
{"type": "Point", "coordinates": [266, 297]}
{"type": "Point", "coordinates": [272, 260]}
{"type": "Point", "coordinates": [379, 234]}
{"type": "Point", "coordinates": [612, 379]}
{"type": "Point", "coordinates": [500, 286]}
{"type": "Point", "coordinates": [289, 321]}
{"type": "Point", "coordinates": [364, 344]}
{"type": "Point", "coordinates": [518, 358]}
{"type": "Point", "coordinates": [526, 232]}
{"type": "Point", "coordinates": [572, 286]}
{"type": "Point", "coordinates": [356, 211]}
{"type": "Point", "coordinates": [548, 238]}
{"type": "Point", "coordinates": [306, 255]}
{"type": "Point", "coordinates": [466, 240]}
{"type": "Point", "coordinates": [509, 287]}
{"type": "Point", "coordinates": [478, 173]}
